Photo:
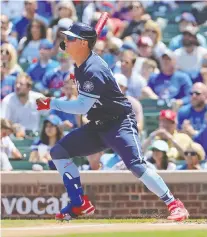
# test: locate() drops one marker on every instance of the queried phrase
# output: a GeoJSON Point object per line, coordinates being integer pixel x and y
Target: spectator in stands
{"type": "Point", "coordinates": [194, 155]}
{"type": "Point", "coordinates": [20, 23]}
{"type": "Point", "coordinates": [9, 59]}
{"type": "Point", "coordinates": [159, 159]}
{"type": "Point", "coordinates": [5, 31]}
{"type": "Point", "coordinates": [199, 10]}
{"type": "Point", "coordinates": [57, 37]}
{"type": "Point", "coordinates": [166, 131]}
{"type": "Point", "coordinates": [170, 84]}
{"type": "Point", "coordinates": [201, 138]}
{"type": "Point", "coordinates": [46, 8]}
{"type": "Point", "coordinates": [70, 121]}
{"type": "Point", "coordinates": [189, 58]}
{"type": "Point", "coordinates": [99, 47]}
{"type": "Point", "coordinates": [28, 49]}
{"type": "Point", "coordinates": [12, 9]}
{"type": "Point", "coordinates": [20, 106]}
{"type": "Point", "coordinates": [145, 51]}
{"type": "Point", "coordinates": [6, 144]}
{"type": "Point", "coordinates": [7, 81]}
{"type": "Point", "coordinates": [53, 80]}
{"type": "Point", "coordinates": [37, 70]}
{"type": "Point", "coordinates": [204, 69]}
{"type": "Point", "coordinates": [65, 9]}
{"type": "Point", "coordinates": [135, 81]}
{"type": "Point", "coordinates": [138, 19]}
{"type": "Point", "coordinates": [192, 117]}
{"type": "Point", "coordinates": [185, 20]}
{"type": "Point", "coordinates": [50, 134]}
{"type": "Point", "coordinates": [152, 30]}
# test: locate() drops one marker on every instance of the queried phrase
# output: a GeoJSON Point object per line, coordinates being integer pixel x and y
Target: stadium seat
{"type": "Point", "coordinates": [25, 165]}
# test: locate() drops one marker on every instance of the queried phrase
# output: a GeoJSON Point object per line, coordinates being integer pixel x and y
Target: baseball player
{"type": "Point", "coordinates": [112, 125]}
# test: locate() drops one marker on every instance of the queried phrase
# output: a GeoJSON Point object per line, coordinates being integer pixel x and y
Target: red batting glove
{"type": "Point", "coordinates": [43, 103]}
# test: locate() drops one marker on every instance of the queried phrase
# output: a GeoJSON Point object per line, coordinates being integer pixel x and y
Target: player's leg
{"type": "Point", "coordinates": [123, 139]}
{"type": "Point", "coordinates": [80, 142]}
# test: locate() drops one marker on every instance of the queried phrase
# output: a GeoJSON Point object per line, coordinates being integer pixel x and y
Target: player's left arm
{"type": "Point", "coordinates": [79, 106]}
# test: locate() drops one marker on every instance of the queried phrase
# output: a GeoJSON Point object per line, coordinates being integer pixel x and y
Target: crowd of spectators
{"type": "Point", "coordinates": [145, 64]}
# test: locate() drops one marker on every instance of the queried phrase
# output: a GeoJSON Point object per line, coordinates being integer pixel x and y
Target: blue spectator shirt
{"type": "Point", "coordinates": [20, 25]}
{"type": "Point", "coordinates": [12, 41]}
{"type": "Point", "coordinates": [94, 79]}
{"type": "Point", "coordinates": [37, 71]}
{"type": "Point", "coordinates": [65, 116]}
{"type": "Point", "coordinates": [177, 42]}
{"type": "Point", "coordinates": [201, 138]}
{"type": "Point", "coordinates": [7, 85]}
{"type": "Point", "coordinates": [54, 78]}
{"type": "Point", "coordinates": [197, 119]}
{"type": "Point", "coordinates": [176, 86]}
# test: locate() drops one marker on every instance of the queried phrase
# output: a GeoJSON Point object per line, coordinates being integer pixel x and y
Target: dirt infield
{"type": "Point", "coordinates": [69, 228]}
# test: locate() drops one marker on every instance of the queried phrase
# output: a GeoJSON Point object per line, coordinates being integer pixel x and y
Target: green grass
{"type": "Point", "coordinates": [194, 233]}
{"type": "Point", "coordinates": [25, 223]}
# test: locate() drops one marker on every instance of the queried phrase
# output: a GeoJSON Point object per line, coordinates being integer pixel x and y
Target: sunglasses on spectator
{"type": "Point", "coordinates": [190, 153]}
{"type": "Point", "coordinates": [195, 93]}
{"type": "Point", "coordinates": [4, 52]}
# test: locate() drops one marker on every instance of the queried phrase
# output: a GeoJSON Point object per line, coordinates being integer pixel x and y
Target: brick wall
{"type": "Point", "coordinates": [118, 195]}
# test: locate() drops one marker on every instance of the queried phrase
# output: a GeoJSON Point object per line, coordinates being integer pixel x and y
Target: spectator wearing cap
{"type": "Point", "coordinates": [5, 32]}
{"type": "Point", "coordinates": [64, 9]}
{"type": "Point", "coordinates": [152, 30]}
{"type": "Point", "coordinates": [28, 49]}
{"type": "Point", "coordinates": [138, 19]}
{"type": "Point", "coordinates": [37, 70]}
{"type": "Point", "coordinates": [170, 84]}
{"type": "Point", "coordinates": [51, 133]}
{"type": "Point", "coordinates": [54, 79]}
{"type": "Point", "coordinates": [21, 23]}
{"type": "Point", "coordinates": [192, 117]}
{"type": "Point", "coordinates": [145, 51]}
{"type": "Point", "coordinates": [194, 156]}
{"type": "Point", "coordinates": [135, 81]}
{"type": "Point", "coordinates": [189, 58]}
{"type": "Point", "coordinates": [186, 19]}
{"type": "Point", "coordinates": [166, 131]}
{"type": "Point", "coordinates": [20, 105]}
{"type": "Point", "coordinates": [159, 159]}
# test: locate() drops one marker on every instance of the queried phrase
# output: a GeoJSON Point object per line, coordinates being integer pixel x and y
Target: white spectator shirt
{"type": "Point", "coordinates": [24, 114]}
{"type": "Point", "coordinates": [7, 146]}
{"type": "Point", "coordinates": [4, 162]}
{"type": "Point", "coordinates": [190, 62]}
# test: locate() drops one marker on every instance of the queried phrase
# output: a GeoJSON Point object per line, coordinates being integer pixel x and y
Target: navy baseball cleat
{"type": "Point", "coordinates": [86, 209]}
{"type": "Point", "coordinates": [177, 210]}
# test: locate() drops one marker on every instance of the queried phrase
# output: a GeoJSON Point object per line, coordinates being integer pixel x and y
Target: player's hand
{"type": "Point", "coordinates": [43, 103]}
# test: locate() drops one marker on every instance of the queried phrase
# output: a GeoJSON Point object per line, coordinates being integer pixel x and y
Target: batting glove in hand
{"type": "Point", "coordinates": [43, 103]}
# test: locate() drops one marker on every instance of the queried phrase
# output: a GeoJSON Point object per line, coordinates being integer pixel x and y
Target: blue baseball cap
{"type": "Point", "coordinates": [129, 45]}
{"type": "Point", "coordinates": [81, 31]}
{"type": "Point", "coordinates": [45, 44]}
{"type": "Point", "coordinates": [54, 119]}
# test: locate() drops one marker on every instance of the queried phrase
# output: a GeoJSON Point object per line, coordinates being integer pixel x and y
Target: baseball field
{"type": "Point", "coordinates": [104, 228]}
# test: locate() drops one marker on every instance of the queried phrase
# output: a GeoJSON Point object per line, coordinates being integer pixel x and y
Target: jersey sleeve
{"type": "Point", "coordinates": [92, 86]}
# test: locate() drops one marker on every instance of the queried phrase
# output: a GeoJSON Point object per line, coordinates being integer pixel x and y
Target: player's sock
{"type": "Point", "coordinates": [71, 178]}
{"type": "Point", "coordinates": [153, 182]}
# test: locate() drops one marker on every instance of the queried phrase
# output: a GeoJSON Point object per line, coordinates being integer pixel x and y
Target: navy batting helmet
{"type": "Point", "coordinates": [81, 31]}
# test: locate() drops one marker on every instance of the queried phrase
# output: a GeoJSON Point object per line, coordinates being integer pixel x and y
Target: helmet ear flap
{"type": "Point", "coordinates": [62, 45]}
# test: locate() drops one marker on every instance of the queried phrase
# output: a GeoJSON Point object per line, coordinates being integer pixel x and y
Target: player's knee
{"type": "Point", "coordinates": [138, 169]}
{"type": "Point", "coordinates": [58, 152]}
